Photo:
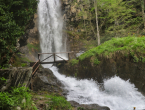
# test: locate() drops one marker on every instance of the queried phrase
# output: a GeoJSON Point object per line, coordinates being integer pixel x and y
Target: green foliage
{"type": "Point", "coordinates": [20, 61]}
{"type": "Point", "coordinates": [33, 46]}
{"type": "Point", "coordinates": [74, 61]}
{"type": "Point", "coordinates": [135, 59]}
{"type": "Point", "coordinates": [96, 61]}
{"type": "Point", "coordinates": [80, 108]}
{"type": "Point", "coordinates": [142, 59]}
{"type": "Point", "coordinates": [8, 101]}
{"type": "Point", "coordinates": [116, 17]}
{"type": "Point", "coordinates": [14, 15]}
{"type": "Point", "coordinates": [23, 64]}
{"type": "Point", "coordinates": [126, 45]}
{"type": "Point", "coordinates": [58, 103]}
{"type": "Point", "coordinates": [2, 80]}
{"type": "Point", "coordinates": [75, 74]}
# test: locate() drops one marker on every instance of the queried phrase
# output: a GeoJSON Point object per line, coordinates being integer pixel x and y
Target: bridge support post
{"type": "Point", "coordinates": [39, 57]}
{"type": "Point", "coordinates": [68, 56]}
{"type": "Point", "coordinates": [54, 56]}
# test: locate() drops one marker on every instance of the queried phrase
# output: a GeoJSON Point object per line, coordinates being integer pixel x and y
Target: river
{"type": "Point", "coordinates": [117, 93]}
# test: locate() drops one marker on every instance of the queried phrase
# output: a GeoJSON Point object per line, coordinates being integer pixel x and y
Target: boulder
{"type": "Point", "coordinates": [88, 106]}
{"type": "Point", "coordinates": [15, 77]}
{"type": "Point", "coordinates": [44, 80]}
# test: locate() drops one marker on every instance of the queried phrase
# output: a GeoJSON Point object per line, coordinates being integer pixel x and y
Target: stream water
{"type": "Point", "coordinates": [117, 94]}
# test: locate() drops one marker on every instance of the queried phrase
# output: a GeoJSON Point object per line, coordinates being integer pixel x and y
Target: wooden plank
{"type": "Point", "coordinates": [46, 58]}
{"type": "Point", "coordinates": [35, 63]}
{"type": "Point", "coordinates": [39, 57]}
{"type": "Point", "coordinates": [55, 53]}
{"type": "Point", "coordinates": [35, 70]}
{"type": "Point", "coordinates": [52, 62]}
{"type": "Point", "coordinates": [54, 56]}
{"type": "Point", "coordinates": [60, 57]}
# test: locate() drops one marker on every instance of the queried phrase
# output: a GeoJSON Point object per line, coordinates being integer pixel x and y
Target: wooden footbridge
{"type": "Point", "coordinates": [54, 55]}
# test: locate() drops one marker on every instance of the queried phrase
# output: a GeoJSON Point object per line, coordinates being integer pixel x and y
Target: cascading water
{"type": "Point", "coordinates": [50, 28]}
{"type": "Point", "coordinates": [118, 94]}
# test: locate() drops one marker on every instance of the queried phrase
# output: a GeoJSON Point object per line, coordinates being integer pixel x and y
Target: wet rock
{"type": "Point", "coordinates": [46, 81]}
{"type": "Point", "coordinates": [119, 65]}
{"type": "Point", "coordinates": [15, 77]}
{"type": "Point", "coordinates": [88, 106]}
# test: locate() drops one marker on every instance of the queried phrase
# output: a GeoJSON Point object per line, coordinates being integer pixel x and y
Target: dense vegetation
{"type": "Point", "coordinates": [18, 97]}
{"type": "Point", "coordinates": [135, 46]}
{"type": "Point", "coordinates": [116, 18]}
{"type": "Point", "coordinates": [14, 16]}
{"type": "Point", "coordinates": [58, 103]}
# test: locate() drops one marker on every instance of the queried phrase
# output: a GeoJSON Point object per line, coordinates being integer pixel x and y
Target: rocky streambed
{"type": "Point", "coordinates": [45, 80]}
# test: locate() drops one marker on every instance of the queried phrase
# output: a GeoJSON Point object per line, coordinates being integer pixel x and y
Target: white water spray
{"type": "Point", "coordinates": [50, 28]}
{"type": "Point", "coordinates": [118, 94]}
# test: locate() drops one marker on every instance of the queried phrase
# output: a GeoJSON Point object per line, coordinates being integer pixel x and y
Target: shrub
{"type": "Point", "coordinates": [14, 16]}
{"type": "Point", "coordinates": [58, 103]}
{"type": "Point", "coordinates": [12, 99]}
{"type": "Point", "coordinates": [74, 61]}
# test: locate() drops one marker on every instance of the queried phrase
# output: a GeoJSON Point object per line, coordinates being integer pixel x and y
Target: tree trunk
{"type": "Point", "coordinates": [143, 14]}
{"type": "Point", "coordinates": [98, 35]}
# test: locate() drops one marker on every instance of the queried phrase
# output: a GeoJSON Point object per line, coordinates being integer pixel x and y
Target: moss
{"type": "Point", "coordinates": [58, 102]}
{"type": "Point", "coordinates": [23, 64]}
{"type": "Point", "coordinates": [74, 61]}
{"type": "Point", "coordinates": [33, 46]}
{"type": "Point", "coordinates": [126, 45]}
{"type": "Point", "coordinates": [20, 61]}
{"type": "Point", "coordinates": [96, 62]}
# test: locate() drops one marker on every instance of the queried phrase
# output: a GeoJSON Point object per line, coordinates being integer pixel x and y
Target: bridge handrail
{"type": "Point", "coordinates": [56, 53]}
{"type": "Point", "coordinates": [37, 64]}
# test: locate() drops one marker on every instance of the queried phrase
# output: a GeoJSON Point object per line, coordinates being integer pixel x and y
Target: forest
{"type": "Point", "coordinates": [100, 21]}
{"type": "Point", "coordinates": [103, 19]}
{"type": "Point", "coordinates": [112, 32]}
{"type": "Point", "coordinates": [14, 17]}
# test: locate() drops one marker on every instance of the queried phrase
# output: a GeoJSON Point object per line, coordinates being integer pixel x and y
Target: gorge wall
{"type": "Point", "coordinates": [118, 65]}
{"type": "Point", "coordinates": [75, 24]}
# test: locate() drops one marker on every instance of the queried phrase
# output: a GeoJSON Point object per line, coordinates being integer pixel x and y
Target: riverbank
{"type": "Point", "coordinates": [123, 57]}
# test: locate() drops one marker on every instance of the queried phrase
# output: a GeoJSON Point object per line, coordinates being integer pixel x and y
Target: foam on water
{"type": "Point", "coordinates": [117, 95]}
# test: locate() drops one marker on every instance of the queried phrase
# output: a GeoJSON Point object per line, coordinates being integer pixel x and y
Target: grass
{"type": "Point", "coordinates": [54, 101]}
{"type": "Point", "coordinates": [74, 61]}
{"type": "Point", "coordinates": [127, 45]}
{"type": "Point", "coordinates": [58, 103]}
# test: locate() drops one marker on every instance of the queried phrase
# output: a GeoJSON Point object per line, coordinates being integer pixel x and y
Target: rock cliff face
{"type": "Point", "coordinates": [15, 77]}
{"type": "Point", "coordinates": [29, 42]}
{"type": "Point", "coordinates": [72, 29]}
{"type": "Point", "coordinates": [44, 80]}
{"type": "Point", "coordinates": [119, 65]}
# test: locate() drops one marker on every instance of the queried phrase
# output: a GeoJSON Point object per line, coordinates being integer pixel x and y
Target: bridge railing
{"type": "Point", "coordinates": [54, 57]}
{"type": "Point", "coordinates": [37, 64]}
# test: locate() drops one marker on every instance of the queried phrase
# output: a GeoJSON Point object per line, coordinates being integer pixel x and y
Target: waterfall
{"type": "Point", "coordinates": [50, 27]}
{"type": "Point", "coordinates": [118, 94]}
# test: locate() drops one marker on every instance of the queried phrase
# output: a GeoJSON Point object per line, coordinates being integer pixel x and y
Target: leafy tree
{"type": "Point", "coordinates": [116, 18]}
{"type": "Point", "coordinates": [14, 16]}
